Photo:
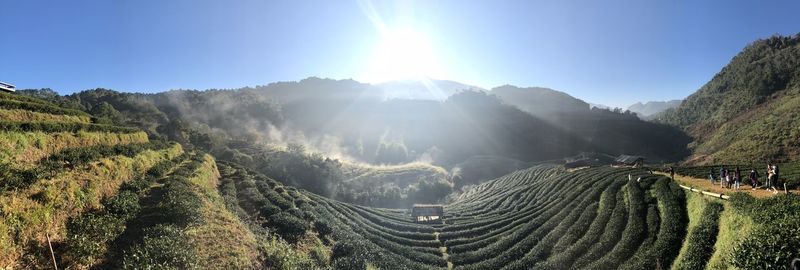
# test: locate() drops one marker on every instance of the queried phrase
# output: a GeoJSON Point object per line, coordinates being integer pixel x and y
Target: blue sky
{"type": "Point", "coordinates": [608, 52]}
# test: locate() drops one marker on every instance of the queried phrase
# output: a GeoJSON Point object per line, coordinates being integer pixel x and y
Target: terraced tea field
{"type": "Point", "coordinates": [542, 217]}
{"type": "Point", "coordinates": [79, 195]}
{"type": "Point", "coordinates": [55, 165]}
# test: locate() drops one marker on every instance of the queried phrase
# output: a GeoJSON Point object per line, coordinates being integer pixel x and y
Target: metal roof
{"type": "Point", "coordinates": [427, 210]}
{"type": "Point", "coordinates": [628, 159]}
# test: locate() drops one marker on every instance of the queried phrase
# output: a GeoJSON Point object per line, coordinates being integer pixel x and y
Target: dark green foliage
{"type": "Point", "coordinates": [701, 241]}
{"type": "Point", "coordinates": [15, 178]}
{"type": "Point", "coordinates": [162, 247]}
{"type": "Point", "coordinates": [776, 239]}
{"type": "Point", "coordinates": [322, 227]}
{"type": "Point", "coordinates": [89, 234]}
{"type": "Point", "coordinates": [268, 210]}
{"type": "Point", "coordinates": [28, 105]}
{"type": "Point", "coordinates": [181, 204]}
{"type": "Point", "coordinates": [104, 113]}
{"type": "Point", "coordinates": [124, 205]}
{"type": "Point", "coordinates": [51, 127]}
{"type": "Point", "coordinates": [289, 226]}
{"type": "Point", "coordinates": [348, 255]}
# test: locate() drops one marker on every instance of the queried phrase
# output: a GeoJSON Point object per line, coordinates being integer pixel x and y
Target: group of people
{"type": "Point", "coordinates": [734, 180]}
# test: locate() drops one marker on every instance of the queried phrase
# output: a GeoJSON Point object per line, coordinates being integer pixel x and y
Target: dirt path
{"type": "Point", "coordinates": [705, 184]}
{"type": "Point", "coordinates": [443, 248]}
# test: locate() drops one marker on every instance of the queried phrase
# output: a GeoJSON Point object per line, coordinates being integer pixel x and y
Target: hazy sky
{"type": "Point", "coordinates": [609, 52]}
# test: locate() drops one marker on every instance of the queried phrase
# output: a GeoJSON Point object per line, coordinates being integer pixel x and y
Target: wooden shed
{"type": "Point", "coordinates": [427, 212]}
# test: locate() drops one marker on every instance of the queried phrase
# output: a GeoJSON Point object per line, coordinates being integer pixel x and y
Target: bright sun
{"type": "Point", "coordinates": [403, 55]}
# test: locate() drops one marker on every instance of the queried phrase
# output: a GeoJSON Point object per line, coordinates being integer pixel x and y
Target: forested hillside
{"type": "Point", "coordinates": [608, 131]}
{"type": "Point", "coordinates": [748, 111]}
{"type": "Point", "coordinates": [313, 133]}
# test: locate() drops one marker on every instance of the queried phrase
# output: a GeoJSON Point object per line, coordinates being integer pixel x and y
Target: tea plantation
{"type": "Point", "coordinates": [78, 194]}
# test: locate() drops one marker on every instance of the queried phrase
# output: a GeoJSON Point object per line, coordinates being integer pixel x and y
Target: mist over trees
{"type": "Point", "coordinates": [307, 132]}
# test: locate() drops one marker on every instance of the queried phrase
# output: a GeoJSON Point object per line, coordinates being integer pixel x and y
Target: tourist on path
{"type": "Point", "coordinates": [754, 178]}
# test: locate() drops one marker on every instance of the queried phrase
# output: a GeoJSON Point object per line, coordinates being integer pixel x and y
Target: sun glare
{"type": "Point", "coordinates": [403, 55]}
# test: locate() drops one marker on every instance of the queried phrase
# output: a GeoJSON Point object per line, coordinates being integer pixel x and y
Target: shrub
{"type": "Point", "coordinates": [288, 226]}
{"type": "Point", "coordinates": [88, 234]}
{"type": "Point", "coordinates": [180, 205]}
{"type": "Point", "coordinates": [162, 247]}
{"type": "Point", "coordinates": [123, 205]}
{"type": "Point", "coordinates": [700, 243]}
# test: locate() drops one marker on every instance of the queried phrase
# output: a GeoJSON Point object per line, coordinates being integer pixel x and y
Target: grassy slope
{"type": "Point", "coordinates": [762, 134]}
{"type": "Point", "coordinates": [222, 241]}
{"type": "Point", "coordinates": [47, 204]}
{"type": "Point", "coordinates": [748, 111]}
{"type": "Point", "coordinates": [28, 147]}
{"type": "Point", "coordinates": [25, 115]}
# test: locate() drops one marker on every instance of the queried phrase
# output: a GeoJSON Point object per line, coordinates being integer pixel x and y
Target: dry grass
{"type": "Point", "coordinates": [47, 204]}
{"type": "Point", "coordinates": [26, 148]}
{"type": "Point", "coordinates": [18, 115]}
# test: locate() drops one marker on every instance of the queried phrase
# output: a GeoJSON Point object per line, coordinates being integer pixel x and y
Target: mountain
{"type": "Point", "coordinates": [750, 110]}
{"type": "Point", "coordinates": [651, 108]}
{"type": "Point", "coordinates": [610, 131]}
{"type": "Point", "coordinates": [425, 89]}
{"type": "Point", "coordinates": [600, 106]}
{"type": "Point", "coordinates": [540, 101]}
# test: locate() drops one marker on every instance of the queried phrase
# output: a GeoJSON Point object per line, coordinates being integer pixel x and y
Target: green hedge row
{"type": "Point", "coordinates": [38, 107]}
{"type": "Point", "coordinates": [90, 234]}
{"type": "Point", "coordinates": [68, 158]}
{"type": "Point", "coordinates": [52, 127]}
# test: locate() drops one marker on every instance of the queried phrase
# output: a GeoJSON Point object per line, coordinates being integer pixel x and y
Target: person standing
{"type": "Point", "coordinates": [727, 179]}
{"type": "Point", "coordinates": [753, 178]}
{"type": "Point", "coordinates": [776, 178]}
{"type": "Point", "coordinates": [768, 183]}
{"type": "Point", "coordinates": [737, 178]}
{"type": "Point", "coordinates": [722, 176]}
{"type": "Point", "coordinates": [711, 175]}
{"type": "Point", "coordinates": [672, 173]}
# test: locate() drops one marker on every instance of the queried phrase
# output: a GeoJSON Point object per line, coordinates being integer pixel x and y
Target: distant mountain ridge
{"type": "Point", "coordinates": [425, 89]}
{"type": "Point", "coordinates": [651, 108]}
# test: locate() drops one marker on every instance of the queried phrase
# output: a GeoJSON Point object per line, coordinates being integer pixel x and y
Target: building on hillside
{"type": "Point", "coordinates": [427, 212]}
{"type": "Point", "coordinates": [7, 87]}
{"type": "Point", "coordinates": [628, 160]}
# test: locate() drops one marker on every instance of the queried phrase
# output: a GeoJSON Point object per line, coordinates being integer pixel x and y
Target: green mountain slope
{"type": "Point", "coordinates": [749, 111]}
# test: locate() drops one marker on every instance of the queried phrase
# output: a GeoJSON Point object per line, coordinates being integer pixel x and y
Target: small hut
{"type": "Point", "coordinates": [633, 161]}
{"type": "Point", "coordinates": [427, 212]}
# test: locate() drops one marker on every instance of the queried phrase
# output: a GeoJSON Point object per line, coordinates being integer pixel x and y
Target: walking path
{"type": "Point", "coordinates": [705, 184]}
